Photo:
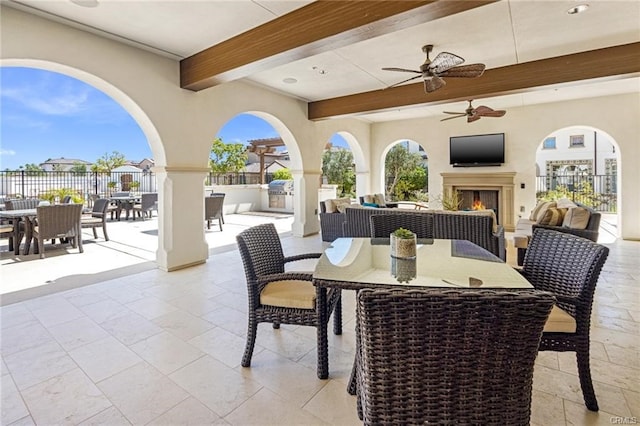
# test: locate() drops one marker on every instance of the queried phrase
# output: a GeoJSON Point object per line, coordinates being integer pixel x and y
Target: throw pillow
{"type": "Point", "coordinates": [332, 205]}
{"type": "Point", "coordinates": [369, 204]}
{"type": "Point", "coordinates": [565, 203]}
{"type": "Point", "coordinates": [553, 217]}
{"type": "Point", "coordinates": [368, 198]}
{"type": "Point", "coordinates": [576, 218]}
{"type": "Point", "coordinates": [543, 209]}
{"type": "Point", "coordinates": [342, 203]}
{"type": "Point", "coordinates": [535, 210]}
{"type": "Point", "coordinates": [379, 200]}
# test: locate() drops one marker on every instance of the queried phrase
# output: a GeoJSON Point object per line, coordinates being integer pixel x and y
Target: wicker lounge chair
{"type": "Point", "coordinates": [280, 297]}
{"type": "Point", "coordinates": [567, 266]}
{"type": "Point", "coordinates": [443, 356]}
{"type": "Point", "coordinates": [97, 218]}
{"type": "Point", "coordinates": [57, 221]}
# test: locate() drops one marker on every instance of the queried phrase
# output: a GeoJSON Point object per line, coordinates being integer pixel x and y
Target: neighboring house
{"type": "Point", "coordinates": [62, 164]}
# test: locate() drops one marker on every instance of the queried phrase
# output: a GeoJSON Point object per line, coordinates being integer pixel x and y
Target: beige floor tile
{"type": "Point", "coordinates": [131, 328]}
{"type": "Point", "coordinates": [104, 358]}
{"type": "Point", "coordinates": [166, 352]}
{"type": "Point", "coordinates": [222, 345]}
{"type": "Point", "coordinates": [76, 333]}
{"type": "Point", "coordinates": [66, 399]}
{"type": "Point", "coordinates": [109, 417]}
{"type": "Point", "coordinates": [216, 385]}
{"type": "Point", "coordinates": [183, 325]}
{"type": "Point", "coordinates": [633, 402]}
{"type": "Point", "coordinates": [197, 302]}
{"type": "Point", "coordinates": [22, 337]}
{"type": "Point", "coordinates": [142, 393]}
{"type": "Point", "coordinates": [15, 315]}
{"type": "Point", "coordinates": [229, 319]}
{"type": "Point", "coordinates": [546, 409]}
{"type": "Point", "coordinates": [105, 310]}
{"type": "Point", "coordinates": [54, 310]}
{"type": "Point", "coordinates": [12, 407]}
{"type": "Point", "coordinates": [578, 416]}
{"type": "Point", "coordinates": [284, 342]}
{"type": "Point", "coordinates": [190, 412]}
{"type": "Point", "coordinates": [151, 307]}
{"type": "Point", "coordinates": [25, 421]}
{"type": "Point", "coordinates": [334, 405]}
{"type": "Point", "coordinates": [38, 364]}
{"type": "Point", "coordinates": [268, 408]}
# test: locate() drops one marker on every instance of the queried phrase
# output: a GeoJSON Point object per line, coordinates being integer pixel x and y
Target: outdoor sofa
{"type": "Point", "coordinates": [479, 227]}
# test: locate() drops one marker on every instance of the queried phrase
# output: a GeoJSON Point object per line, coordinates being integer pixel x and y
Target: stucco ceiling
{"type": "Point", "coordinates": [498, 34]}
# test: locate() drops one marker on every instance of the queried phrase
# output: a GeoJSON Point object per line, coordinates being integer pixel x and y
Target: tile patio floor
{"type": "Point", "coordinates": [140, 346]}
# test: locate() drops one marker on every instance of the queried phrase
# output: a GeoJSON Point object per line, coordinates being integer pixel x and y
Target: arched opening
{"type": "Point", "coordinates": [406, 172]}
{"type": "Point", "coordinates": [339, 167]}
{"type": "Point", "coordinates": [581, 163]}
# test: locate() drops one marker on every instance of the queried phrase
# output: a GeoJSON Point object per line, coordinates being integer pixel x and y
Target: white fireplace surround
{"type": "Point", "coordinates": [503, 182]}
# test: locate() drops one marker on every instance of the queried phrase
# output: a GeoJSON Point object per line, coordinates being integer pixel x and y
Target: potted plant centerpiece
{"type": "Point", "coordinates": [403, 243]}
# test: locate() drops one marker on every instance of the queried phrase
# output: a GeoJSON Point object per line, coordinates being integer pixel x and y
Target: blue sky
{"type": "Point", "coordinates": [49, 115]}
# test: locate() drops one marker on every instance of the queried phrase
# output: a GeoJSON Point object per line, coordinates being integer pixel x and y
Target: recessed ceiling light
{"type": "Point", "coordinates": [578, 9]}
{"type": "Point", "coordinates": [289, 80]}
{"type": "Point", "coordinates": [86, 3]}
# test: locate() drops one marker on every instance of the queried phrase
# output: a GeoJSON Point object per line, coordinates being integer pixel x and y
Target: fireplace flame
{"type": "Point", "coordinates": [477, 205]}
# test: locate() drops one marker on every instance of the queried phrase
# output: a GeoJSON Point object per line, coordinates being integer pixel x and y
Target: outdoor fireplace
{"type": "Point", "coordinates": [494, 190]}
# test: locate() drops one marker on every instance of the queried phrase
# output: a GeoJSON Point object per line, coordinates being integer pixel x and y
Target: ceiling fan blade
{"type": "Point", "coordinates": [432, 84]}
{"type": "Point", "coordinates": [443, 61]}
{"type": "Point", "coordinates": [456, 113]}
{"type": "Point", "coordinates": [485, 111]}
{"type": "Point", "coordinates": [403, 81]}
{"type": "Point", "coordinates": [401, 70]}
{"type": "Point", "coordinates": [469, 71]}
{"type": "Point", "coordinates": [473, 118]}
{"type": "Point", "coordinates": [455, 116]}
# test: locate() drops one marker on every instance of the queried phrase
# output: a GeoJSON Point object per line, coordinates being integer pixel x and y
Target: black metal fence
{"type": "Point", "coordinates": [45, 184]}
{"type": "Point", "coordinates": [596, 191]}
{"type": "Point", "coordinates": [237, 179]}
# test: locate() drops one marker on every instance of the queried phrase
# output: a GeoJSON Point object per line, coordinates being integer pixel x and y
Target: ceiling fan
{"type": "Point", "coordinates": [474, 114]}
{"type": "Point", "coordinates": [445, 64]}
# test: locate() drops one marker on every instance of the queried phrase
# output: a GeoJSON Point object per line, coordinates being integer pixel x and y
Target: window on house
{"type": "Point", "coordinates": [549, 143]}
{"type": "Point", "coordinates": [576, 141]}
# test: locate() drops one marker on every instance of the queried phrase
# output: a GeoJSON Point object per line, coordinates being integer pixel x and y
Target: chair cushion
{"type": "Point", "coordinates": [560, 322]}
{"type": "Point", "coordinates": [576, 218]}
{"type": "Point", "coordinates": [334, 205]}
{"type": "Point", "coordinates": [379, 199]}
{"type": "Point", "coordinates": [289, 294]}
{"type": "Point", "coordinates": [370, 205]}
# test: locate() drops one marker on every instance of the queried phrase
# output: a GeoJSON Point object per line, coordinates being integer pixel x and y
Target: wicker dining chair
{"type": "Point", "coordinates": [219, 194]}
{"type": "Point", "coordinates": [567, 266]}
{"type": "Point", "coordinates": [57, 221]}
{"type": "Point", "coordinates": [213, 206]}
{"type": "Point", "coordinates": [148, 203]}
{"type": "Point", "coordinates": [97, 218]}
{"type": "Point", "coordinates": [280, 297]}
{"type": "Point", "coordinates": [448, 356]}
{"type": "Point", "coordinates": [19, 204]}
{"type": "Point", "coordinates": [384, 224]}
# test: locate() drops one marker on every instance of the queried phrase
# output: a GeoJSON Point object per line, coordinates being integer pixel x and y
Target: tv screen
{"type": "Point", "coordinates": [477, 150]}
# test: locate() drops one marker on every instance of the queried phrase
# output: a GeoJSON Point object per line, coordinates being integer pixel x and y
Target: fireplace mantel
{"type": "Point", "coordinates": [503, 182]}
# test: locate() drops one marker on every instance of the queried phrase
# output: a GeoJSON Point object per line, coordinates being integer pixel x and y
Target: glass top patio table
{"type": "Point", "coordinates": [355, 263]}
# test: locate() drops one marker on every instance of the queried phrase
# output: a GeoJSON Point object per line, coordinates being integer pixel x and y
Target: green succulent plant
{"type": "Point", "coordinates": [403, 233]}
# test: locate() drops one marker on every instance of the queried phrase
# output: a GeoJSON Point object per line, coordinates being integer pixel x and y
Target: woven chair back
{"type": "Point", "coordinates": [261, 251]}
{"type": "Point", "coordinates": [213, 207]}
{"type": "Point", "coordinates": [443, 356]}
{"type": "Point", "coordinates": [22, 204]}
{"type": "Point", "coordinates": [59, 220]}
{"type": "Point", "coordinates": [419, 223]}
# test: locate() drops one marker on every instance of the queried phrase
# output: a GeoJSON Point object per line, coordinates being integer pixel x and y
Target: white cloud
{"type": "Point", "coordinates": [7, 152]}
{"type": "Point", "coordinates": [48, 103]}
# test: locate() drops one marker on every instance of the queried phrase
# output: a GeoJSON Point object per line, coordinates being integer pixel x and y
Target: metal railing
{"type": "Point", "coordinates": [42, 184]}
{"type": "Point", "coordinates": [596, 191]}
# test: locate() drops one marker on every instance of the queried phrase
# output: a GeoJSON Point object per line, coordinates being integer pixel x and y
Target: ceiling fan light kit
{"type": "Point", "coordinates": [445, 64]}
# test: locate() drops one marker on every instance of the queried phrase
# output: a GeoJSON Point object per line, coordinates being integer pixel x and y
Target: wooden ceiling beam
{"type": "Point", "coordinates": [319, 27]}
{"type": "Point", "coordinates": [608, 63]}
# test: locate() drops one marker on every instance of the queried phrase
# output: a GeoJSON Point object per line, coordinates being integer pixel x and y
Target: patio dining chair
{"type": "Point", "coordinates": [448, 356]}
{"type": "Point", "coordinates": [19, 204]}
{"type": "Point", "coordinates": [219, 194]}
{"type": "Point", "coordinates": [148, 203]}
{"type": "Point", "coordinates": [97, 218]}
{"type": "Point", "coordinates": [213, 206]}
{"type": "Point", "coordinates": [567, 266]}
{"type": "Point", "coordinates": [280, 297]}
{"type": "Point", "coordinates": [57, 221]}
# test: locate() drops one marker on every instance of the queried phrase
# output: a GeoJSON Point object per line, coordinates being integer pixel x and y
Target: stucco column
{"type": "Point", "coordinates": [363, 179]}
{"type": "Point", "coordinates": [305, 202]}
{"type": "Point", "coordinates": [181, 241]}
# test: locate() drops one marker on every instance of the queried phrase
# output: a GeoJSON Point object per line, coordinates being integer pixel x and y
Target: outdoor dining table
{"type": "Point", "coordinates": [125, 202]}
{"type": "Point", "coordinates": [358, 263]}
{"type": "Point", "coordinates": [17, 216]}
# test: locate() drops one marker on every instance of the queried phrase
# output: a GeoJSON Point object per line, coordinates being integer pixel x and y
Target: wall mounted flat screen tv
{"type": "Point", "coordinates": [477, 150]}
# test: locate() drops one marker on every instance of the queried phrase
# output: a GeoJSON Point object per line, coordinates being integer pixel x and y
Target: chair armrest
{"type": "Point", "coordinates": [391, 205]}
{"type": "Point", "coordinates": [263, 280]}
{"type": "Point", "coordinates": [584, 233]}
{"type": "Point", "coordinates": [302, 257]}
